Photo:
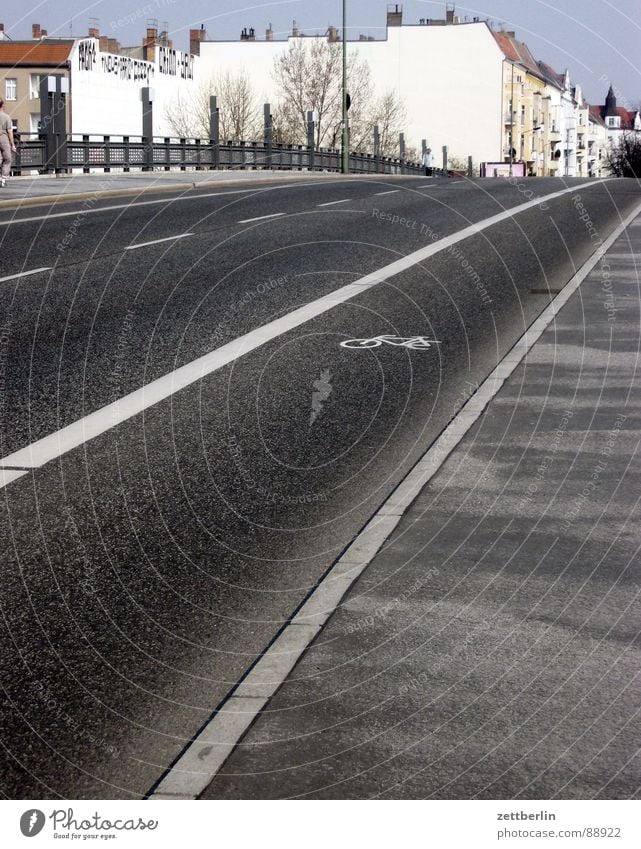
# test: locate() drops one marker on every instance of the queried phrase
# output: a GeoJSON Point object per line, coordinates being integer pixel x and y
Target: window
{"type": "Point", "coordinates": [34, 120]}
{"type": "Point", "coordinates": [11, 88]}
{"type": "Point", "coordinates": [34, 86]}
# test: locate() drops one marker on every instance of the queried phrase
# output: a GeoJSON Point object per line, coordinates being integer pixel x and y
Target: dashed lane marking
{"type": "Point", "coordinates": [83, 430]}
{"type": "Point", "coordinates": [262, 218]}
{"type": "Point", "coordinates": [158, 241]}
{"type": "Point", "coordinates": [25, 273]}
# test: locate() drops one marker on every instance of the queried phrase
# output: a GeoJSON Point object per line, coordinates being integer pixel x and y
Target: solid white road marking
{"type": "Point", "coordinates": [79, 432]}
{"type": "Point", "coordinates": [259, 189]}
{"type": "Point", "coordinates": [262, 218]}
{"type": "Point", "coordinates": [334, 202]}
{"type": "Point", "coordinates": [391, 192]}
{"type": "Point", "coordinates": [204, 757]}
{"type": "Point", "coordinates": [25, 273]}
{"type": "Point", "coordinates": [157, 241]}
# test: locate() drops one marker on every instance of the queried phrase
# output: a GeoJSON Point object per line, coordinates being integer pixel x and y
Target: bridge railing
{"type": "Point", "coordinates": [87, 154]}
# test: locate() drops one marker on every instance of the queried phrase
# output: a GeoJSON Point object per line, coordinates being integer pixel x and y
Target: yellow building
{"type": "Point", "coordinates": [528, 119]}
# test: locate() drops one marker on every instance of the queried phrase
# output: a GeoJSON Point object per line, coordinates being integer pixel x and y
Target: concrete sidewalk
{"type": "Point", "coordinates": [51, 188]}
{"type": "Point", "coordinates": [492, 648]}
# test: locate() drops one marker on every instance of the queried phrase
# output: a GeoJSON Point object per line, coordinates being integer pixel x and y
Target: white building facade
{"type": "Point", "coordinates": [448, 77]}
{"type": "Point", "coordinates": [106, 88]}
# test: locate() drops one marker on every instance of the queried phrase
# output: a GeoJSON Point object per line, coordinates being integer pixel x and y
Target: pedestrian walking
{"type": "Point", "coordinates": [428, 162]}
{"type": "Point", "coordinates": [7, 144]}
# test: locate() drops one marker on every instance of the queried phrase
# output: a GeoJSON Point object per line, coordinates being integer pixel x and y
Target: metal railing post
{"type": "Point", "coordinates": [311, 139]}
{"type": "Point", "coordinates": [214, 132]}
{"type": "Point", "coordinates": [445, 158]}
{"type": "Point", "coordinates": [269, 135]}
{"type": "Point", "coordinates": [470, 167]}
{"type": "Point", "coordinates": [85, 150]}
{"type": "Point", "coordinates": [377, 148]}
{"type": "Point", "coordinates": [147, 128]}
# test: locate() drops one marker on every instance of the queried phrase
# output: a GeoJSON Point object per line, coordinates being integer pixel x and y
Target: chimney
{"type": "Point", "coordinates": [511, 34]}
{"type": "Point", "coordinates": [244, 36]}
{"type": "Point", "coordinates": [449, 13]}
{"type": "Point", "coordinates": [1, 27]}
{"type": "Point", "coordinates": [394, 15]}
{"type": "Point", "coordinates": [332, 34]}
{"type": "Point", "coordinates": [149, 41]}
{"type": "Point", "coordinates": [269, 34]}
{"type": "Point", "coordinates": [93, 32]}
{"type": "Point", "coordinates": [195, 37]}
{"type": "Point", "coordinates": [36, 32]}
{"type": "Point", "coordinates": [295, 30]}
{"type": "Point", "coordinates": [43, 33]}
{"type": "Point", "coordinates": [252, 34]}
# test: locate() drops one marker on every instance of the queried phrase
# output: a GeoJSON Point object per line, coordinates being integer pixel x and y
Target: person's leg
{"type": "Point", "coordinates": [5, 151]}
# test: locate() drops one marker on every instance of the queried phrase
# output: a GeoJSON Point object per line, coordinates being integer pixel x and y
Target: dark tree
{"type": "Point", "coordinates": [625, 157]}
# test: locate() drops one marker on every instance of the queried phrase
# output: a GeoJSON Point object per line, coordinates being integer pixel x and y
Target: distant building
{"type": "Point", "coordinates": [22, 63]}
{"type": "Point", "coordinates": [617, 119]}
{"type": "Point", "coordinates": [448, 73]}
{"type": "Point", "coordinates": [105, 80]}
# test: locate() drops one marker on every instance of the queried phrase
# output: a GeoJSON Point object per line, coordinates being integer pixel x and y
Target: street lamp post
{"type": "Point", "coordinates": [512, 124]}
{"type": "Point", "coordinates": [345, 149]}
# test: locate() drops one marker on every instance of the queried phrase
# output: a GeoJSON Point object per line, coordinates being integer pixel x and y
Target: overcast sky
{"type": "Point", "coordinates": [598, 40]}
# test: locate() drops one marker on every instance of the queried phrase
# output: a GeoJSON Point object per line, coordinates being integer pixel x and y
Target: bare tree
{"type": "Point", "coordinates": [624, 157]}
{"type": "Point", "coordinates": [240, 117]}
{"type": "Point", "coordinates": [390, 114]}
{"type": "Point", "coordinates": [308, 76]}
{"type": "Point", "coordinates": [182, 118]}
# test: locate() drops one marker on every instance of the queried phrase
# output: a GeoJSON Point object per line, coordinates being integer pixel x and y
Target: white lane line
{"type": "Point", "coordinates": [262, 218]}
{"type": "Point", "coordinates": [392, 192]}
{"type": "Point", "coordinates": [203, 758]}
{"type": "Point", "coordinates": [257, 189]}
{"type": "Point", "coordinates": [158, 241]}
{"type": "Point", "coordinates": [79, 432]}
{"type": "Point", "coordinates": [26, 273]}
{"type": "Point", "coordinates": [334, 202]}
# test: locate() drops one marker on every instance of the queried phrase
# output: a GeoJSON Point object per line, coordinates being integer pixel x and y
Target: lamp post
{"type": "Point", "coordinates": [345, 149]}
{"type": "Point", "coordinates": [512, 124]}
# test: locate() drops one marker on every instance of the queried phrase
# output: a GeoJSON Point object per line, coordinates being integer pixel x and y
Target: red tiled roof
{"type": "Point", "coordinates": [506, 45]}
{"type": "Point", "coordinates": [517, 51]}
{"type": "Point", "coordinates": [33, 53]}
{"type": "Point", "coordinates": [627, 118]}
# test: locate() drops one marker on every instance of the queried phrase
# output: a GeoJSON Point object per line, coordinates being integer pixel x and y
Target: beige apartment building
{"type": "Point", "coordinates": [22, 63]}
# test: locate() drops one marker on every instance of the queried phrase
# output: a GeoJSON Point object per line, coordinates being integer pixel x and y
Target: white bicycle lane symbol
{"type": "Point", "coordinates": [414, 343]}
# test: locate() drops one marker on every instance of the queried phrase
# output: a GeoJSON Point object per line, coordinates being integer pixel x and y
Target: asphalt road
{"type": "Point", "coordinates": [144, 571]}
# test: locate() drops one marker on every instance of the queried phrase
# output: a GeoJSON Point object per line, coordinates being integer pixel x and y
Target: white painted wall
{"type": "Point", "coordinates": [449, 77]}
{"type": "Point", "coordinates": [105, 89]}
